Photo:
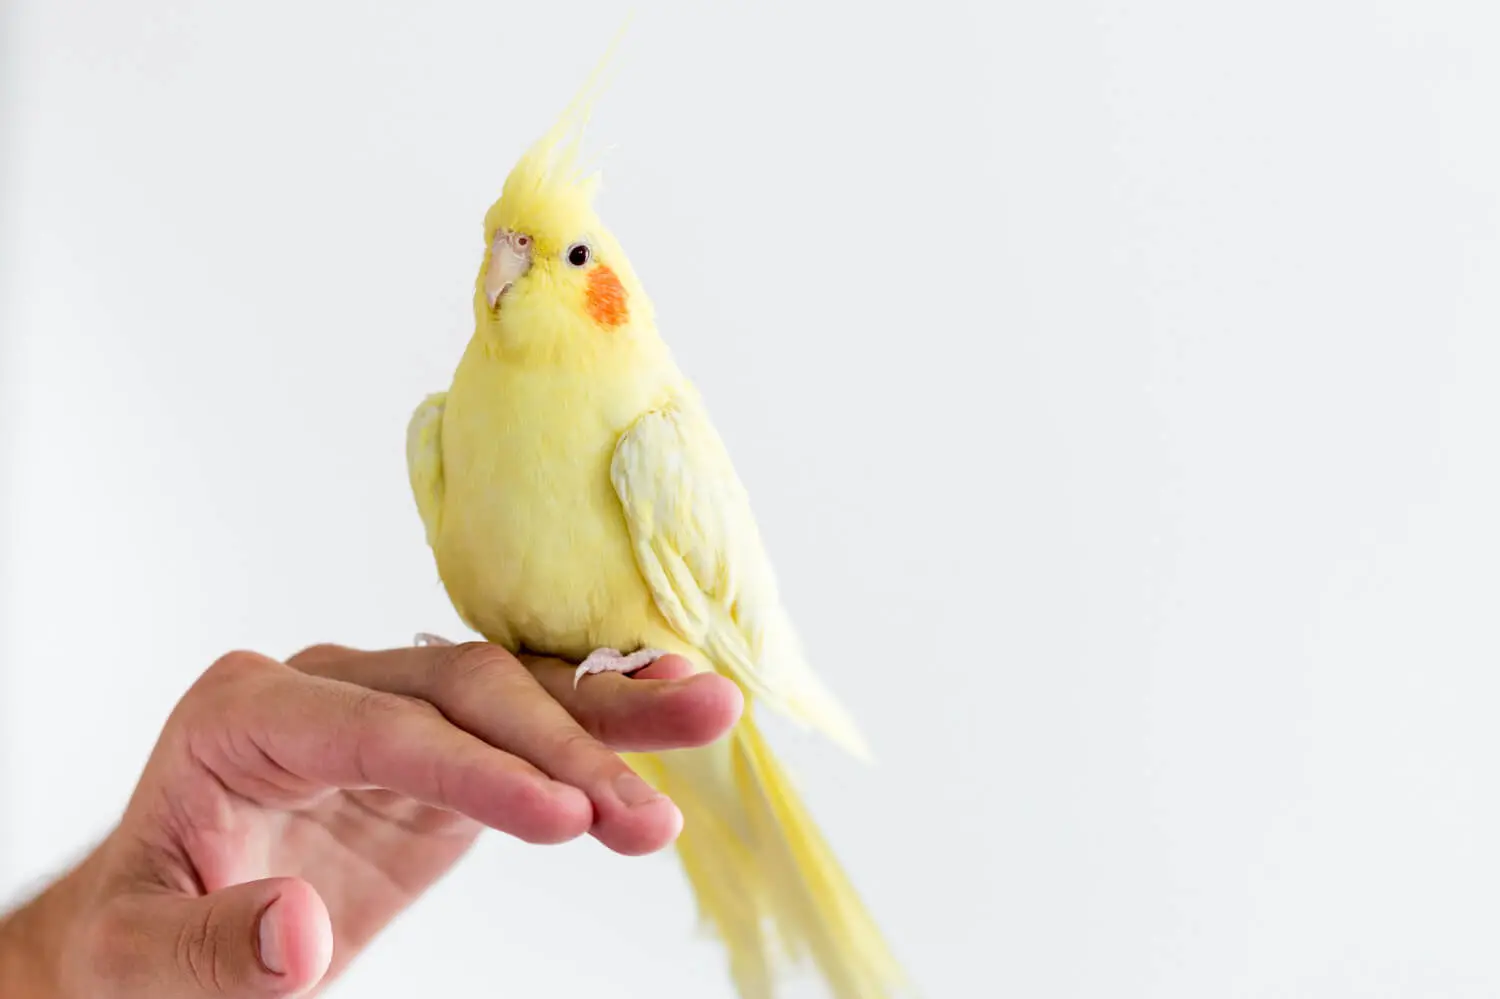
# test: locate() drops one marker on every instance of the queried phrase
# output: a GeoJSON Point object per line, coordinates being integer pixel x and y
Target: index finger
{"type": "Point", "coordinates": [669, 705]}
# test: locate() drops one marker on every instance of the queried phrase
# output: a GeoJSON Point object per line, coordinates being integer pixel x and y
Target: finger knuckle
{"type": "Point", "coordinates": [235, 667]}
{"type": "Point", "coordinates": [222, 684]}
{"type": "Point", "coordinates": [376, 714]}
{"type": "Point", "coordinates": [577, 749]}
{"type": "Point", "coordinates": [377, 709]}
{"type": "Point", "coordinates": [601, 724]}
{"type": "Point", "coordinates": [470, 667]}
{"type": "Point", "coordinates": [321, 652]}
{"type": "Point", "coordinates": [416, 708]}
{"type": "Point", "coordinates": [474, 662]}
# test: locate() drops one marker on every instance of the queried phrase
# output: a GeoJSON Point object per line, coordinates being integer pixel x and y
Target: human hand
{"type": "Point", "coordinates": [290, 811]}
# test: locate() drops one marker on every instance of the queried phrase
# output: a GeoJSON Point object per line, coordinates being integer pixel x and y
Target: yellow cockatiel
{"type": "Point", "coordinates": [580, 504]}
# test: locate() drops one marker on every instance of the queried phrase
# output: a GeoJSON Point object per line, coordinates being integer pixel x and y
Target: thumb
{"type": "Point", "coordinates": [268, 938]}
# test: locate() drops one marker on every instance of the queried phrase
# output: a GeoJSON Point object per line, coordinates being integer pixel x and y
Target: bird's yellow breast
{"type": "Point", "coordinates": [533, 547]}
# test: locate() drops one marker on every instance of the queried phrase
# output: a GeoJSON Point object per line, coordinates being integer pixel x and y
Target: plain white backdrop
{"type": "Point", "coordinates": [1116, 385]}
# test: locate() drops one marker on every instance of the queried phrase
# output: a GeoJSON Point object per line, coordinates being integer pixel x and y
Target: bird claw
{"type": "Point", "coordinates": [612, 661]}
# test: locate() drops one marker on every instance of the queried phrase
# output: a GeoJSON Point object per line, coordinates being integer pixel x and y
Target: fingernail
{"type": "Point", "coordinates": [634, 791]}
{"type": "Point", "coordinates": [427, 638]}
{"type": "Point", "coordinates": [272, 956]}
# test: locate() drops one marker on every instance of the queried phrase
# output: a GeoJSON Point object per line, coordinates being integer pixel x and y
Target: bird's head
{"type": "Point", "coordinates": [553, 277]}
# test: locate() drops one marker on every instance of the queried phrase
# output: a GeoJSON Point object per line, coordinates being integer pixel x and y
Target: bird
{"type": "Point", "coordinates": [579, 503]}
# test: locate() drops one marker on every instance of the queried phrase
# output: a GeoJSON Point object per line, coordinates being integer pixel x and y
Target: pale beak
{"type": "Point", "coordinates": [510, 257]}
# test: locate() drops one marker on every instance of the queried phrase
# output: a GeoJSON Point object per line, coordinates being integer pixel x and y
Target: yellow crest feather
{"type": "Point", "coordinates": [549, 193]}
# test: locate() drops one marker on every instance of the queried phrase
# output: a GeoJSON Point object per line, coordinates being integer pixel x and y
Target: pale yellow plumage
{"type": "Point", "coordinates": [576, 496]}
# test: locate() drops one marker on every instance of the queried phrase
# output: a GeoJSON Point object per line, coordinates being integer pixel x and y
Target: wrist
{"type": "Point", "coordinates": [33, 939]}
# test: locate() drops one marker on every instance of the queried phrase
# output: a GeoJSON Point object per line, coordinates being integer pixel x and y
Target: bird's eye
{"type": "Point", "coordinates": [578, 254]}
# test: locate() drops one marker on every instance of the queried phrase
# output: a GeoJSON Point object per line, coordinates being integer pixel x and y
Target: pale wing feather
{"type": "Point", "coordinates": [424, 461]}
{"type": "Point", "coordinates": [699, 550]}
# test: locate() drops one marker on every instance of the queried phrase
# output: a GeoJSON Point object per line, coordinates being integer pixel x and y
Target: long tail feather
{"type": "Point", "coordinates": [766, 881]}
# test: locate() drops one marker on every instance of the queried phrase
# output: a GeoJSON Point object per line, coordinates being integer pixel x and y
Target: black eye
{"type": "Point", "coordinates": [578, 254]}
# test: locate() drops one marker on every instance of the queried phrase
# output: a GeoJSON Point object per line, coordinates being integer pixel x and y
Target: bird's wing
{"type": "Point", "coordinates": [424, 461]}
{"type": "Point", "coordinates": [699, 549]}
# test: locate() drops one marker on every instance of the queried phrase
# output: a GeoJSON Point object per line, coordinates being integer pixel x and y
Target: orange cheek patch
{"type": "Point", "coordinates": [606, 297]}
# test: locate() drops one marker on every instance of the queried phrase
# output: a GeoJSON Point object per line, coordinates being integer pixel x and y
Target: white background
{"type": "Point", "coordinates": [1116, 384]}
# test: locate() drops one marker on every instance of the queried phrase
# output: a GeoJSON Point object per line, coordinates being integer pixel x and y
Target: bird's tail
{"type": "Point", "coordinates": [766, 881]}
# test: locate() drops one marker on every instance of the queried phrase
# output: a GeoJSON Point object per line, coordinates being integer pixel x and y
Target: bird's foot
{"type": "Point", "coordinates": [612, 661]}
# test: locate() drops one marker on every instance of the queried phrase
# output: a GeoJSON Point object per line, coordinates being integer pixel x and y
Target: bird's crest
{"type": "Point", "coordinates": [551, 190]}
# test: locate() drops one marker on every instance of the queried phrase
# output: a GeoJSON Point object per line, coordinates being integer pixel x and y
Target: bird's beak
{"type": "Point", "coordinates": [510, 257]}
